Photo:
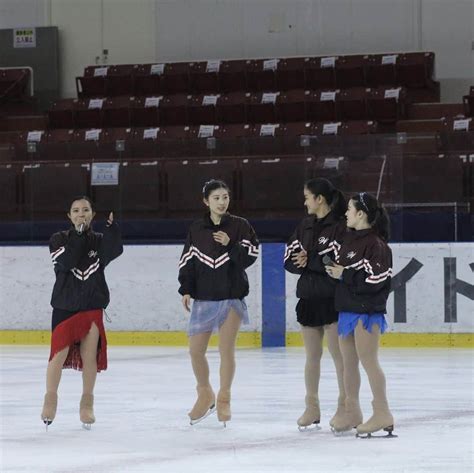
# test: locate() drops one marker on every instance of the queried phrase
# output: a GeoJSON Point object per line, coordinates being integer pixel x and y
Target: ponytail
{"type": "Point", "coordinates": [338, 204]}
{"type": "Point", "coordinates": [381, 223]}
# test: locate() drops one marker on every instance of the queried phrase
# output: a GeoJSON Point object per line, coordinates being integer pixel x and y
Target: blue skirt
{"type": "Point", "coordinates": [208, 316]}
{"type": "Point", "coordinates": [349, 320]}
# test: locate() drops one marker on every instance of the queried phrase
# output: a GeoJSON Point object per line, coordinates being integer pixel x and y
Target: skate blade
{"type": "Point", "coordinates": [309, 428]}
{"type": "Point", "coordinates": [370, 435]}
{"type": "Point", "coordinates": [86, 426]}
{"type": "Point", "coordinates": [211, 410]}
{"type": "Point", "coordinates": [342, 433]}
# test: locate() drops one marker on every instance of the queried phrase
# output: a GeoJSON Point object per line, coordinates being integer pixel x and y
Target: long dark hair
{"type": "Point", "coordinates": [377, 215]}
{"type": "Point", "coordinates": [334, 197]}
{"type": "Point", "coordinates": [80, 197]}
{"type": "Point", "coordinates": [212, 185]}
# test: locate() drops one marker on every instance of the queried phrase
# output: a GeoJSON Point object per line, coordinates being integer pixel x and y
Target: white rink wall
{"type": "Point", "coordinates": [425, 291]}
{"type": "Point", "coordinates": [144, 297]}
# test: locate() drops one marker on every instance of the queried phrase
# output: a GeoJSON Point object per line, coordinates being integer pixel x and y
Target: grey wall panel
{"type": "Point", "coordinates": [43, 59]}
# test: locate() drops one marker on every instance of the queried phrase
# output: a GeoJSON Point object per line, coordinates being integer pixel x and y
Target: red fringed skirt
{"type": "Point", "coordinates": [69, 328]}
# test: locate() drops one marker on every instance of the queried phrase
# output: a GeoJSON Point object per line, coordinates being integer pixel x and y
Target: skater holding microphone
{"type": "Point", "coordinates": [79, 298]}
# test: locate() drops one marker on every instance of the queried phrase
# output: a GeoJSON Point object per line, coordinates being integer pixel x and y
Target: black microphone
{"type": "Point", "coordinates": [328, 261]}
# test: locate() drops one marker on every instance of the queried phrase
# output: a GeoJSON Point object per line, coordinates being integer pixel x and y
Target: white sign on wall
{"type": "Point", "coordinates": [105, 174]}
{"type": "Point", "coordinates": [24, 37]}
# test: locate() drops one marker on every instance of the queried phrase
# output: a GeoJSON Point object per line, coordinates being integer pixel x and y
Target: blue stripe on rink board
{"type": "Point", "coordinates": [273, 295]}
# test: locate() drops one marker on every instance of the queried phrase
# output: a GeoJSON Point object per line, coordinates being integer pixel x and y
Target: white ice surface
{"type": "Point", "coordinates": [143, 398]}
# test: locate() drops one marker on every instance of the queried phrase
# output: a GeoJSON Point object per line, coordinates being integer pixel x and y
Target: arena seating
{"type": "Point", "coordinates": [263, 125]}
{"type": "Point", "coordinates": [413, 70]}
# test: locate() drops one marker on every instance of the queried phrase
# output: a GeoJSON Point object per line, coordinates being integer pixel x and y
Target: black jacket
{"type": "Point", "coordinates": [79, 262]}
{"type": "Point", "coordinates": [365, 284]}
{"type": "Point", "coordinates": [211, 271]}
{"type": "Point", "coordinates": [318, 238]}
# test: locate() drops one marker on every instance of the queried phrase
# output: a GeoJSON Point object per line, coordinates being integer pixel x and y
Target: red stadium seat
{"type": "Point", "coordinates": [263, 189]}
{"type": "Point", "coordinates": [261, 74]}
{"type": "Point", "coordinates": [149, 80]}
{"type": "Point", "coordinates": [131, 198]}
{"type": "Point", "coordinates": [261, 107]}
{"type": "Point", "coordinates": [88, 113]}
{"type": "Point", "coordinates": [321, 105]}
{"type": "Point", "coordinates": [291, 106]}
{"type": "Point", "coordinates": [415, 69]}
{"type": "Point", "coordinates": [173, 110]}
{"type": "Point", "coordinates": [231, 139]}
{"type": "Point", "coordinates": [320, 73]}
{"type": "Point", "coordinates": [350, 71]}
{"type": "Point", "coordinates": [61, 113]}
{"type": "Point", "coordinates": [352, 104]}
{"type": "Point", "coordinates": [176, 78]}
{"type": "Point", "coordinates": [202, 109]}
{"type": "Point", "coordinates": [116, 112]}
{"type": "Point", "coordinates": [232, 107]}
{"type": "Point", "coordinates": [67, 180]}
{"type": "Point", "coordinates": [204, 77]}
{"type": "Point", "coordinates": [145, 111]}
{"type": "Point", "coordinates": [290, 73]}
{"type": "Point", "coordinates": [381, 70]}
{"type": "Point", "coordinates": [232, 77]}
{"type": "Point", "coordinates": [185, 179]}
{"type": "Point", "coordinates": [120, 80]}
{"type": "Point", "coordinates": [59, 144]}
{"type": "Point", "coordinates": [386, 104]}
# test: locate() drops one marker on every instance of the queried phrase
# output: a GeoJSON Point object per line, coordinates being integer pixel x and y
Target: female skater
{"type": "Point", "coordinates": [79, 298]}
{"type": "Point", "coordinates": [313, 240]}
{"type": "Point", "coordinates": [364, 267]}
{"type": "Point", "coordinates": [218, 249]}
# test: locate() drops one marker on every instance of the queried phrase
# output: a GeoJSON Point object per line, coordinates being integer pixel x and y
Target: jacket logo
{"type": "Point", "coordinates": [92, 254]}
{"type": "Point", "coordinates": [323, 240]}
{"type": "Point", "coordinates": [351, 254]}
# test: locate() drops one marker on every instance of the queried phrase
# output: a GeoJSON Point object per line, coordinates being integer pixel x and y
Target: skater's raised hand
{"type": "Point", "coordinates": [110, 220]}
{"type": "Point", "coordinates": [186, 300]}
{"type": "Point", "coordinates": [221, 237]}
{"type": "Point", "coordinates": [300, 260]}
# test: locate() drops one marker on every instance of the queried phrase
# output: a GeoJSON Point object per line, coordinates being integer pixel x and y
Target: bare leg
{"type": "Point", "coordinates": [53, 377]}
{"type": "Point", "coordinates": [54, 371]}
{"type": "Point", "coordinates": [367, 345]}
{"type": "Point", "coordinates": [334, 350]}
{"type": "Point", "coordinates": [352, 414]}
{"type": "Point", "coordinates": [227, 337]}
{"type": "Point", "coordinates": [89, 345]}
{"type": "Point", "coordinates": [206, 398]}
{"type": "Point", "coordinates": [197, 349]}
{"type": "Point", "coordinates": [313, 343]}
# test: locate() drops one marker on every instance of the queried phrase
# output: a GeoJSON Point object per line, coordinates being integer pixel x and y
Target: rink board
{"type": "Point", "coordinates": [434, 301]}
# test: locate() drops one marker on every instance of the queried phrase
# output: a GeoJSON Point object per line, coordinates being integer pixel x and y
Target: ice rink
{"type": "Point", "coordinates": [143, 398]}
